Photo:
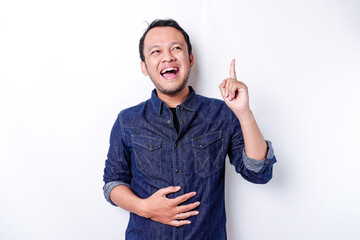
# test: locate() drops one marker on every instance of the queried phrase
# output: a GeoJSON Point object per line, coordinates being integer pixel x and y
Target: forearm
{"type": "Point", "coordinates": [125, 198]}
{"type": "Point", "coordinates": [157, 207]}
{"type": "Point", "coordinates": [255, 145]}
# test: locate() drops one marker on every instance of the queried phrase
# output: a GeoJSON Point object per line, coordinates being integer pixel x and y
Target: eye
{"type": "Point", "coordinates": [177, 48]}
{"type": "Point", "coordinates": [155, 52]}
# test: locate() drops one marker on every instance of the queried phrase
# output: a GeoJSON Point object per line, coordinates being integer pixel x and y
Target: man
{"type": "Point", "coordinates": [166, 159]}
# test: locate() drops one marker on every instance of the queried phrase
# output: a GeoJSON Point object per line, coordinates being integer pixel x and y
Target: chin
{"type": "Point", "coordinates": [172, 90]}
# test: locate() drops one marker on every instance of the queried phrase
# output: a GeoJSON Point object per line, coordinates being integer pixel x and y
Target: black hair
{"type": "Point", "coordinates": [163, 23]}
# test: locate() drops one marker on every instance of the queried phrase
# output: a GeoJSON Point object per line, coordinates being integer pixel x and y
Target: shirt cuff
{"type": "Point", "coordinates": [108, 187]}
{"type": "Point", "coordinates": [256, 165]}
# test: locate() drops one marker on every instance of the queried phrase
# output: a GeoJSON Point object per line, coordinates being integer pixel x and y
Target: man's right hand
{"type": "Point", "coordinates": [161, 209]}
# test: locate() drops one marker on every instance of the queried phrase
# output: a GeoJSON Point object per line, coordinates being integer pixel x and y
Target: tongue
{"type": "Point", "coordinates": [169, 75]}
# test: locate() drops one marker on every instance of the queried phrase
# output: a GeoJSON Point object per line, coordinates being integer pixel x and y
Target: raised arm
{"type": "Point", "coordinates": [236, 97]}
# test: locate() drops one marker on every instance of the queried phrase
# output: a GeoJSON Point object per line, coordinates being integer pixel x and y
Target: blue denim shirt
{"type": "Point", "coordinates": [147, 154]}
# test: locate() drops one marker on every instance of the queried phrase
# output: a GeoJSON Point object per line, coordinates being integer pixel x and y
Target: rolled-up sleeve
{"type": "Point", "coordinates": [255, 171]}
{"type": "Point", "coordinates": [117, 165]}
{"type": "Point", "coordinates": [108, 187]}
{"type": "Point", "coordinates": [256, 165]}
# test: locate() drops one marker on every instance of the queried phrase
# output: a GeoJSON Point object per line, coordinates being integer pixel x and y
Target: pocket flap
{"type": "Point", "coordinates": [206, 139]}
{"type": "Point", "coordinates": [147, 142]}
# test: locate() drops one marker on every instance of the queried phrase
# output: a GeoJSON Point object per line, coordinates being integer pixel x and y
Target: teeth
{"type": "Point", "coordinates": [168, 70]}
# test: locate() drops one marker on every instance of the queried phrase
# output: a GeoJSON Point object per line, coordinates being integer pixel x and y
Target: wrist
{"type": "Point", "coordinates": [142, 208]}
{"type": "Point", "coordinates": [245, 116]}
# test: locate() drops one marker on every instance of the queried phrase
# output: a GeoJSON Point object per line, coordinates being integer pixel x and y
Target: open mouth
{"type": "Point", "coordinates": [170, 73]}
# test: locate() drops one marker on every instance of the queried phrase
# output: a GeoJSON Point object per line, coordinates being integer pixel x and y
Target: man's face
{"type": "Point", "coordinates": [167, 61]}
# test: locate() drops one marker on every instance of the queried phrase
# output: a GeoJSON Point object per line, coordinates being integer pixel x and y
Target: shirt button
{"type": "Point", "coordinates": [175, 145]}
{"type": "Point", "coordinates": [168, 121]}
{"type": "Point", "coordinates": [177, 170]}
{"type": "Point", "coordinates": [266, 162]}
{"type": "Point", "coordinates": [182, 121]}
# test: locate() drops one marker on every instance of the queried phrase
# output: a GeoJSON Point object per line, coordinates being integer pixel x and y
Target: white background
{"type": "Point", "coordinates": [68, 67]}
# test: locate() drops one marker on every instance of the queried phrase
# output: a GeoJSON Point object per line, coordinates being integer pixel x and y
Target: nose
{"type": "Point", "coordinates": [168, 57]}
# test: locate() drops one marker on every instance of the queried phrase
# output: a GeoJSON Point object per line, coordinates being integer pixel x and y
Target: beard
{"type": "Point", "coordinates": [173, 90]}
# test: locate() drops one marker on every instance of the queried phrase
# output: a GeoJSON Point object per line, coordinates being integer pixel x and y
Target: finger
{"type": "Point", "coordinates": [232, 69]}
{"type": "Point", "coordinates": [228, 87]}
{"type": "Point", "coordinates": [177, 223]}
{"type": "Point", "coordinates": [183, 198]}
{"type": "Point", "coordinates": [231, 88]}
{"type": "Point", "coordinates": [222, 84]}
{"type": "Point", "coordinates": [168, 190]}
{"type": "Point", "coordinates": [188, 207]}
{"type": "Point", "coordinates": [182, 216]}
{"type": "Point", "coordinates": [222, 88]}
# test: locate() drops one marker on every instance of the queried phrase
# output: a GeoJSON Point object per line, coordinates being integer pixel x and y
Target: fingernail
{"type": "Point", "coordinates": [196, 213]}
{"type": "Point", "coordinates": [178, 188]}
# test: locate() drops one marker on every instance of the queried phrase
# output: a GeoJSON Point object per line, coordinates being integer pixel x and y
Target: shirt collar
{"type": "Point", "coordinates": [189, 103]}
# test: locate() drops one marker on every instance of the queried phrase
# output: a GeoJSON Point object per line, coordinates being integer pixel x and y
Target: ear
{"type": "Point", "coordinates": [192, 60]}
{"type": "Point", "coordinates": [144, 68]}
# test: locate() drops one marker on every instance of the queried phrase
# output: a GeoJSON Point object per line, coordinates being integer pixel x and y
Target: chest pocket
{"type": "Point", "coordinates": [208, 152]}
{"type": "Point", "coordinates": [147, 151]}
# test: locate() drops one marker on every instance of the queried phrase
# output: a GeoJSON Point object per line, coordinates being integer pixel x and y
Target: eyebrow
{"type": "Point", "coordinates": [158, 45]}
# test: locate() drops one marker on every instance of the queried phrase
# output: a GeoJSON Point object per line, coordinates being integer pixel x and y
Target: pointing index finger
{"type": "Point", "coordinates": [232, 69]}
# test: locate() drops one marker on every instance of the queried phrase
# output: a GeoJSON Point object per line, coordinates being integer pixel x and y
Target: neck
{"type": "Point", "coordinates": [176, 99]}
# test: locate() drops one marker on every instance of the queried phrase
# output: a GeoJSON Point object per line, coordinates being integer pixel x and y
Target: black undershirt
{"type": "Point", "coordinates": [176, 120]}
